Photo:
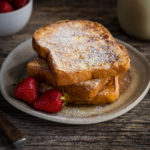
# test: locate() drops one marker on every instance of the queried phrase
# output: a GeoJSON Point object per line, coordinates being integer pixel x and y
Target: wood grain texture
{"type": "Point", "coordinates": [128, 132]}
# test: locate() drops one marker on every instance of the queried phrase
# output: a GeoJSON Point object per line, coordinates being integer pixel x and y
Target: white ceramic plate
{"type": "Point", "coordinates": [14, 66]}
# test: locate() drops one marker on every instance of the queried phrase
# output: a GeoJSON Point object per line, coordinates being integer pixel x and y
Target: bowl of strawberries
{"type": "Point", "coordinates": [14, 15]}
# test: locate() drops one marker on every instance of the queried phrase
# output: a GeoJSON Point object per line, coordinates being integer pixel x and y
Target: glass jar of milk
{"type": "Point", "coordinates": [134, 17]}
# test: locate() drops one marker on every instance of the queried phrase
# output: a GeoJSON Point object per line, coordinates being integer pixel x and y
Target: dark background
{"type": "Point", "coordinates": [130, 131]}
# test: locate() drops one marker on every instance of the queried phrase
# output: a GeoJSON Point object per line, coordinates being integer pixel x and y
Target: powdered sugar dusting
{"type": "Point", "coordinates": [90, 84]}
{"type": "Point", "coordinates": [77, 47]}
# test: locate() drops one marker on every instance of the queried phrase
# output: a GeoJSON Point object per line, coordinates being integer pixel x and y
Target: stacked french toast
{"type": "Point", "coordinates": [81, 58]}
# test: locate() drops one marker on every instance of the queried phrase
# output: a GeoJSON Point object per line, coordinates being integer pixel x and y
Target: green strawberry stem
{"type": "Point", "coordinates": [63, 98]}
{"type": "Point", "coordinates": [64, 102]}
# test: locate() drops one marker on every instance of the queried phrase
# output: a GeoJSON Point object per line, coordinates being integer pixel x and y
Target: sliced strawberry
{"type": "Point", "coordinates": [27, 90]}
{"type": "Point", "coordinates": [5, 7]}
{"type": "Point", "coordinates": [51, 101]}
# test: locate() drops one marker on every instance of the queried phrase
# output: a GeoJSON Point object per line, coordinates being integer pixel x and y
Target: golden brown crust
{"type": "Point", "coordinates": [108, 94]}
{"type": "Point", "coordinates": [49, 46]}
{"type": "Point", "coordinates": [42, 51]}
{"type": "Point", "coordinates": [38, 68]}
{"type": "Point", "coordinates": [77, 89]}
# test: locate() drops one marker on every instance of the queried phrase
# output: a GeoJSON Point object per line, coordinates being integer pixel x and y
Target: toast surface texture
{"type": "Point", "coordinates": [80, 50]}
{"type": "Point", "coordinates": [38, 68]}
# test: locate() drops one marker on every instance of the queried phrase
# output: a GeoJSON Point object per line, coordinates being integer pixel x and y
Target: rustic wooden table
{"type": "Point", "coordinates": [130, 131]}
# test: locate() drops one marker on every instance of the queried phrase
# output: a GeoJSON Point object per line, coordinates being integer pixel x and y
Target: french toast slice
{"type": "Point", "coordinates": [109, 94]}
{"type": "Point", "coordinates": [80, 50]}
{"type": "Point", "coordinates": [38, 68]}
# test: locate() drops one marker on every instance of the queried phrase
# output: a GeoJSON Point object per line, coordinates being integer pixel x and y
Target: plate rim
{"type": "Point", "coordinates": [75, 121]}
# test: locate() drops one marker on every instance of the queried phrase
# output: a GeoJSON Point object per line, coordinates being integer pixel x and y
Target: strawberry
{"type": "Point", "coordinates": [5, 7]}
{"type": "Point", "coordinates": [27, 90]}
{"type": "Point", "coordinates": [51, 101]}
{"type": "Point", "coordinates": [20, 3]}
